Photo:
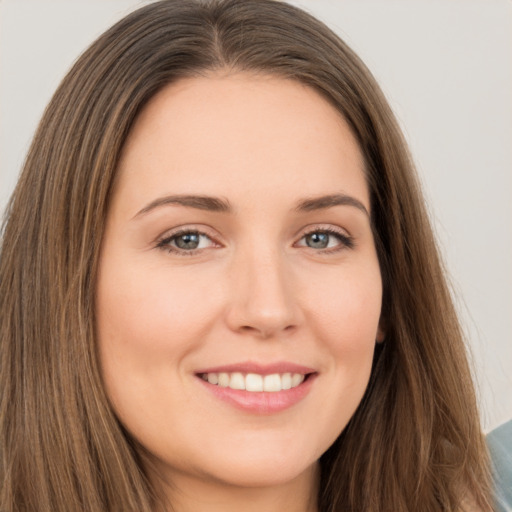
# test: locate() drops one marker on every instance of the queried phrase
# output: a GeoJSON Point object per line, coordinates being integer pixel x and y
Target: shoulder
{"type": "Point", "coordinates": [499, 442]}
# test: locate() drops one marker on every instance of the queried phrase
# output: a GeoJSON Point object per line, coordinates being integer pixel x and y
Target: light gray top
{"type": "Point", "coordinates": [499, 442]}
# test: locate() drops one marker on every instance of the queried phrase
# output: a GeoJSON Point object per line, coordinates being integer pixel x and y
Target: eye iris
{"type": "Point", "coordinates": [187, 241]}
{"type": "Point", "coordinates": [317, 240]}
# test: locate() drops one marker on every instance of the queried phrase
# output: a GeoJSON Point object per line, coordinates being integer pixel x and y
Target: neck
{"type": "Point", "coordinates": [191, 494]}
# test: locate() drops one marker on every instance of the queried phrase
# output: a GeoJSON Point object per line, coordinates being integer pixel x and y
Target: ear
{"type": "Point", "coordinates": [381, 331]}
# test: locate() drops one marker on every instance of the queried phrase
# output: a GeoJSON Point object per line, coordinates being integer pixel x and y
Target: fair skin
{"type": "Point", "coordinates": [276, 275]}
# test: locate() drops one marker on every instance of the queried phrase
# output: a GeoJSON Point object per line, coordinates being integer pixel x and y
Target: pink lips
{"type": "Point", "coordinates": [260, 402]}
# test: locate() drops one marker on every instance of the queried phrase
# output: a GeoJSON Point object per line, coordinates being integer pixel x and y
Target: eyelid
{"type": "Point", "coordinates": [163, 241]}
{"type": "Point", "coordinates": [346, 239]}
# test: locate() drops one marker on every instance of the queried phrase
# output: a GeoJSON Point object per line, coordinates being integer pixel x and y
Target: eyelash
{"type": "Point", "coordinates": [346, 241]}
{"type": "Point", "coordinates": [165, 243]}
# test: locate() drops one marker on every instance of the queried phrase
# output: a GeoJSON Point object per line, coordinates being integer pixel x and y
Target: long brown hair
{"type": "Point", "coordinates": [414, 444]}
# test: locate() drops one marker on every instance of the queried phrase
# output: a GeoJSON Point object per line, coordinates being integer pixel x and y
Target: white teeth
{"type": "Point", "coordinates": [237, 381]}
{"type": "Point", "coordinates": [255, 382]}
{"type": "Point", "coordinates": [272, 382]}
{"type": "Point", "coordinates": [286, 381]}
{"type": "Point", "coordinates": [212, 378]}
{"type": "Point", "coordinates": [223, 379]}
{"type": "Point", "coordinates": [297, 379]}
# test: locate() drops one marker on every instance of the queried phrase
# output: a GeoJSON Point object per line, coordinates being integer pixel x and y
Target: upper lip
{"type": "Point", "coordinates": [259, 368]}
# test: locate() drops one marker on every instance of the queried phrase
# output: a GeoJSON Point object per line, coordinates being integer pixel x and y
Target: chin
{"type": "Point", "coordinates": [258, 475]}
{"type": "Point", "coordinates": [263, 467]}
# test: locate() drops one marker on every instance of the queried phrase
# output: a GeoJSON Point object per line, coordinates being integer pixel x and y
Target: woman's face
{"type": "Point", "coordinates": [238, 254]}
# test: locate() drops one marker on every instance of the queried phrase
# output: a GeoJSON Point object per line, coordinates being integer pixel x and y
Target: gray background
{"type": "Point", "coordinates": [446, 68]}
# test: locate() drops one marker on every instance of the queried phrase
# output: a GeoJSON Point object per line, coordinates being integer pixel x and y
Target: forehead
{"type": "Point", "coordinates": [226, 135]}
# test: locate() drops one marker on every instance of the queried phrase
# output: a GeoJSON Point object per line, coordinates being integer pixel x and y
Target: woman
{"type": "Point", "coordinates": [225, 292]}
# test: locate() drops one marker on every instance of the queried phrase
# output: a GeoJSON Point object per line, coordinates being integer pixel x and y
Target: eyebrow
{"type": "Point", "coordinates": [217, 204]}
{"type": "Point", "coordinates": [323, 202]}
{"type": "Point", "coordinates": [212, 204]}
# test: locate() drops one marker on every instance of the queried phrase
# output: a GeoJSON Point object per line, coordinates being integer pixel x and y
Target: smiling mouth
{"type": "Point", "coordinates": [259, 388]}
{"type": "Point", "coordinates": [254, 382]}
{"type": "Point", "coordinates": [258, 393]}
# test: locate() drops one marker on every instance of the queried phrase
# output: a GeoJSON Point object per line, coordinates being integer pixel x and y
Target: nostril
{"type": "Point", "coordinates": [266, 332]}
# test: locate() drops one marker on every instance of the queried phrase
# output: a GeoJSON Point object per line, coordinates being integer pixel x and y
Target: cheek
{"type": "Point", "coordinates": [346, 305]}
{"type": "Point", "coordinates": [140, 308]}
{"type": "Point", "coordinates": [148, 321]}
{"type": "Point", "coordinates": [147, 324]}
{"type": "Point", "coordinates": [346, 317]}
{"type": "Point", "coordinates": [354, 322]}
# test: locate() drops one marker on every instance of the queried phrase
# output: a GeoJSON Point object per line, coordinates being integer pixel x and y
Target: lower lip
{"type": "Point", "coordinates": [261, 402]}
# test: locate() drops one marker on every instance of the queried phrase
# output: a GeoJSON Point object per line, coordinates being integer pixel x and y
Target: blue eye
{"type": "Point", "coordinates": [186, 241]}
{"type": "Point", "coordinates": [326, 239]}
{"type": "Point", "coordinates": [318, 240]}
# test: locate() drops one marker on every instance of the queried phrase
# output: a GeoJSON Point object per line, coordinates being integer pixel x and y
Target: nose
{"type": "Point", "coordinates": [262, 301]}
